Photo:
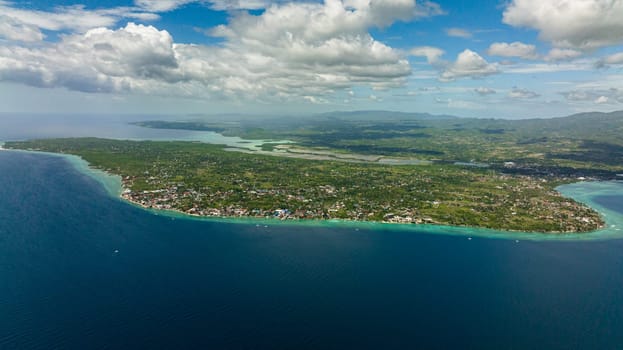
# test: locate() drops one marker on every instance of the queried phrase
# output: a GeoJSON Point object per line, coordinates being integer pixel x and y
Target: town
{"type": "Point", "coordinates": [206, 180]}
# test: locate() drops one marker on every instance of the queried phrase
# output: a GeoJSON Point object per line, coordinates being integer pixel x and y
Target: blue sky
{"type": "Point", "coordinates": [510, 59]}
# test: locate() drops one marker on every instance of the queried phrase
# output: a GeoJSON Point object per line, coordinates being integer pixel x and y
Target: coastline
{"type": "Point", "coordinates": [113, 184]}
{"type": "Point", "coordinates": [609, 230]}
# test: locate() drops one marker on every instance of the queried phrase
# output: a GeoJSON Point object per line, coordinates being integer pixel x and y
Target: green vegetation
{"type": "Point", "coordinates": [205, 179]}
{"type": "Point", "coordinates": [588, 144]}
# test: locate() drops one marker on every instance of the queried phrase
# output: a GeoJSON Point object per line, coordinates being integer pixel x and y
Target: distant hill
{"type": "Point", "coordinates": [383, 115]}
{"type": "Point", "coordinates": [579, 141]}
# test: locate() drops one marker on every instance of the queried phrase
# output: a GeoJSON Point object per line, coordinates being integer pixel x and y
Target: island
{"type": "Point", "coordinates": [211, 180]}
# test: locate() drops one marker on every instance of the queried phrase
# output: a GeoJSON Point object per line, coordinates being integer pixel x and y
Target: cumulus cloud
{"type": "Point", "coordinates": [73, 18]}
{"type": "Point", "coordinates": [220, 5]}
{"type": "Point", "coordinates": [407, 8]}
{"type": "Point", "coordinates": [100, 60]}
{"type": "Point", "coordinates": [527, 51]}
{"type": "Point", "coordinates": [161, 5]}
{"type": "Point", "coordinates": [614, 59]}
{"type": "Point", "coordinates": [522, 94]}
{"type": "Point", "coordinates": [228, 5]}
{"type": "Point", "coordinates": [468, 64]}
{"type": "Point", "coordinates": [514, 49]}
{"type": "Point", "coordinates": [298, 50]}
{"type": "Point", "coordinates": [314, 21]}
{"type": "Point", "coordinates": [597, 96]}
{"type": "Point", "coordinates": [14, 29]}
{"type": "Point", "coordinates": [617, 58]}
{"type": "Point", "coordinates": [484, 91]}
{"type": "Point", "coordinates": [335, 47]}
{"type": "Point", "coordinates": [578, 95]}
{"type": "Point", "coordinates": [458, 33]}
{"type": "Point", "coordinates": [432, 54]}
{"type": "Point", "coordinates": [579, 24]}
{"type": "Point", "coordinates": [557, 54]}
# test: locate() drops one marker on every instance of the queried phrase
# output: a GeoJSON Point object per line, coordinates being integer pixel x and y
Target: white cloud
{"type": "Point", "coordinates": [458, 33]}
{"type": "Point", "coordinates": [219, 5]}
{"type": "Point", "coordinates": [522, 94]}
{"type": "Point", "coordinates": [383, 8]}
{"type": "Point", "coordinates": [14, 29]}
{"type": "Point", "coordinates": [614, 59]}
{"type": "Point", "coordinates": [577, 65]}
{"type": "Point", "coordinates": [431, 53]}
{"type": "Point", "coordinates": [313, 21]}
{"type": "Point", "coordinates": [314, 100]}
{"type": "Point", "coordinates": [335, 47]}
{"type": "Point", "coordinates": [577, 24]}
{"type": "Point", "coordinates": [458, 104]}
{"type": "Point", "coordinates": [161, 5]}
{"type": "Point", "coordinates": [228, 5]}
{"type": "Point", "coordinates": [427, 8]}
{"type": "Point", "coordinates": [603, 82]}
{"type": "Point", "coordinates": [101, 60]}
{"type": "Point", "coordinates": [468, 64]}
{"type": "Point", "coordinates": [578, 95]}
{"type": "Point", "coordinates": [597, 96]}
{"type": "Point", "coordinates": [295, 50]}
{"type": "Point", "coordinates": [557, 54]}
{"type": "Point", "coordinates": [514, 49]}
{"type": "Point", "coordinates": [483, 91]}
{"type": "Point", "coordinates": [73, 18]}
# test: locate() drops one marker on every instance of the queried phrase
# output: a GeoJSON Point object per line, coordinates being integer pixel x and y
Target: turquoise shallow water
{"type": "Point", "coordinates": [585, 192]}
{"type": "Point", "coordinates": [15, 127]}
{"type": "Point", "coordinates": [607, 198]}
{"type": "Point", "coordinates": [83, 269]}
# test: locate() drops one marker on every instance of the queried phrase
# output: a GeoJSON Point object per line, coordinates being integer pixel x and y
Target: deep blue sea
{"type": "Point", "coordinates": [81, 269]}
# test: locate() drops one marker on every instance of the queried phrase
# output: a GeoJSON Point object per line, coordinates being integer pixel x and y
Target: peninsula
{"type": "Point", "coordinates": [208, 180]}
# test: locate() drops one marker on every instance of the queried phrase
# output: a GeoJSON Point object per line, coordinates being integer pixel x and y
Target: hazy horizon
{"type": "Point", "coordinates": [517, 59]}
{"type": "Point", "coordinates": [131, 117]}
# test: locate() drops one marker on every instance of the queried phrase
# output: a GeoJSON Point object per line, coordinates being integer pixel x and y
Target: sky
{"type": "Point", "coordinates": [477, 58]}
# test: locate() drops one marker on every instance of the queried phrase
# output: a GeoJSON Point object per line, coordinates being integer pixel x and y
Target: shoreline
{"type": "Point", "coordinates": [114, 186]}
{"type": "Point", "coordinates": [347, 222]}
{"type": "Point", "coordinates": [111, 183]}
{"type": "Point", "coordinates": [604, 233]}
{"type": "Point", "coordinates": [432, 228]}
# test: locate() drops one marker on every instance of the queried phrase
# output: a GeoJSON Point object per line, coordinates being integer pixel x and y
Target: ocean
{"type": "Point", "coordinates": [81, 269]}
